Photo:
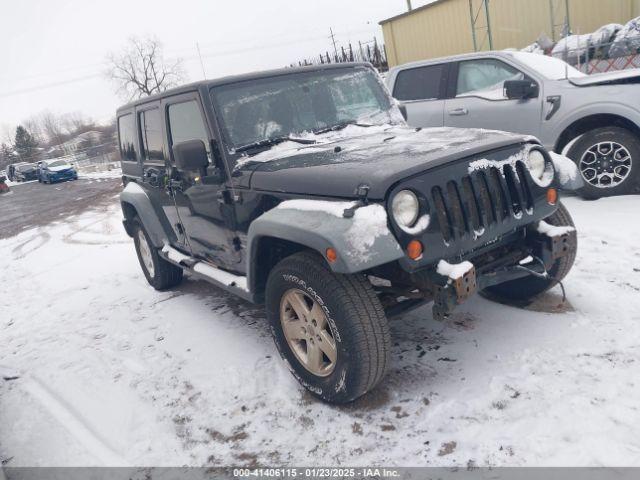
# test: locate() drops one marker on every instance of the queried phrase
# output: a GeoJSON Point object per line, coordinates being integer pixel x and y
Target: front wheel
{"type": "Point", "coordinates": [528, 287]}
{"type": "Point", "coordinates": [159, 273]}
{"type": "Point", "coordinates": [609, 161]}
{"type": "Point", "coordinates": [330, 329]}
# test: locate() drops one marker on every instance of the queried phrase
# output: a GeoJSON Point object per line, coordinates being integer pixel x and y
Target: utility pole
{"type": "Point", "coordinates": [409, 8]}
{"type": "Point", "coordinates": [333, 39]}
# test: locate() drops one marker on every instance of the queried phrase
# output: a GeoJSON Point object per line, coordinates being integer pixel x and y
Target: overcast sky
{"type": "Point", "coordinates": [53, 51]}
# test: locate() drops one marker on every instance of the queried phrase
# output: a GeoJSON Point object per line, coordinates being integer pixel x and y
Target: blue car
{"type": "Point", "coordinates": [56, 171]}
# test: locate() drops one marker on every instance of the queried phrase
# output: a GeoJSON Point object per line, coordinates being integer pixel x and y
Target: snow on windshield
{"type": "Point", "coordinates": [552, 68]}
{"type": "Point", "coordinates": [285, 105]}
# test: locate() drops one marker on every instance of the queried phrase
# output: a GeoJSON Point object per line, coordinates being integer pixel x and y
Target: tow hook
{"type": "Point", "coordinates": [455, 292]}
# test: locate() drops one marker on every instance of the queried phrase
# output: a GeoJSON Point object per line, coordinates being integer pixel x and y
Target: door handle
{"type": "Point", "coordinates": [458, 112]}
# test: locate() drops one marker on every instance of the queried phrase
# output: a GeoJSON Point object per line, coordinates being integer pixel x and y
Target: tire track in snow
{"type": "Point", "coordinates": [72, 422]}
{"type": "Point", "coordinates": [20, 252]}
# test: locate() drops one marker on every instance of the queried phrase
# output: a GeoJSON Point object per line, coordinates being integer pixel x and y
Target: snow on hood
{"type": "Point", "coordinates": [604, 78]}
{"type": "Point", "coordinates": [395, 139]}
{"type": "Point", "coordinates": [376, 156]}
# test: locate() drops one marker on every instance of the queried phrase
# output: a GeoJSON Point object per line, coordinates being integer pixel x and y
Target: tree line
{"type": "Point", "coordinates": [41, 137]}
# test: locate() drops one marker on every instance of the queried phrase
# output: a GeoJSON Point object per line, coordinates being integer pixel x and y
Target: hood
{"type": "Point", "coordinates": [60, 168]}
{"type": "Point", "coordinates": [631, 75]}
{"type": "Point", "coordinates": [378, 156]}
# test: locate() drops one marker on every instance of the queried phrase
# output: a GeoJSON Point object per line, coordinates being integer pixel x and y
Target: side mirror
{"type": "Point", "coordinates": [190, 155]}
{"type": "Point", "coordinates": [520, 89]}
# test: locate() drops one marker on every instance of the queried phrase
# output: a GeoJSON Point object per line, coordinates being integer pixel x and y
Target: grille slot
{"type": "Point", "coordinates": [481, 199]}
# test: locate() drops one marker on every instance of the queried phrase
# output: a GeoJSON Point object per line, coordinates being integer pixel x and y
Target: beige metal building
{"type": "Point", "coordinates": [449, 27]}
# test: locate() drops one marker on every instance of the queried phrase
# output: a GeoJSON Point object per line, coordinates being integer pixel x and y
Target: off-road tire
{"type": "Point", "coordinates": [356, 319]}
{"type": "Point", "coordinates": [618, 135]}
{"type": "Point", "coordinates": [526, 288]}
{"type": "Point", "coordinates": [165, 274]}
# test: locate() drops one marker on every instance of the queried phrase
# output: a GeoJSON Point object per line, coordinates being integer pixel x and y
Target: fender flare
{"type": "Point", "coordinates": [154, 221]}
{"type": "Point", "coordinates": [600, 108]}
{"type": "Point", "coordinates": [359, 246]}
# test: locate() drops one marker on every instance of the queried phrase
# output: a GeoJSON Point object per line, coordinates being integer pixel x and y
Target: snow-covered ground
{"type": "Point", "coordinates": [100, 369]}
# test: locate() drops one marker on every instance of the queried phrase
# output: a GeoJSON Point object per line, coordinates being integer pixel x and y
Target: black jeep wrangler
{"type": "Point", "coordinates": [305, 190]}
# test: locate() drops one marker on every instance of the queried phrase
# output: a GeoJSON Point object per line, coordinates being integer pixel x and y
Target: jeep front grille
{"type": "Point", "coordinates": [482, 198]}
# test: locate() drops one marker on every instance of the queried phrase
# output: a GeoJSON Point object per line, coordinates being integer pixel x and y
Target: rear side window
{"type": "Point", "coordinates": [186, 123]}
{"type": "Point", "coordinates": [127, 135]}
{"type": "Point", "coordinates": [422, 83]}
{"type": "Point", "coordinates": [151, 133]}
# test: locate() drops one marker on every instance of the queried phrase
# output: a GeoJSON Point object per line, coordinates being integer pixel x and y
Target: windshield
{"type": "Point", "coordinates": [550, 67]}
{"type": "Point", "coordinates": [288, 105]}
{"type": "Point", "coordinates": [24, 168]}
{"type": "Point", "coordinates": [57, 163]}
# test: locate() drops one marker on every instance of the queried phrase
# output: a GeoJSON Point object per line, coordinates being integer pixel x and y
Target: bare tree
{"type": "Point", "coordinates": [53, 127]}
{"type": "Point", "coordinates": [77, 122]}
{"type": "Point", "coordinates": [141, 70]}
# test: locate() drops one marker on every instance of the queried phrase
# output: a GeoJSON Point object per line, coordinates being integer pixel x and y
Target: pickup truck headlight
{"type": "Point", "coordinates": [405, 208]}
{"type": "Point", "coordinates": [541, 169]}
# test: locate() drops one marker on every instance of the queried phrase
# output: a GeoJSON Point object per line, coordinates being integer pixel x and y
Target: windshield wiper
{"type": "Point", "coordinates": [341, 126]}
{"type": "Point", "coordinates": [270, 142]}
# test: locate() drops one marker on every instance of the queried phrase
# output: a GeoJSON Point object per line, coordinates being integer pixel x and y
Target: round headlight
{"type": "Point", "coordinates": [541, 170]}
{"type": "Point", "coordinates": [405, 208]}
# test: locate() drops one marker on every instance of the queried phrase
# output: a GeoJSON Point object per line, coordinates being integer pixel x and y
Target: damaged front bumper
{"type": "Point", "coordinates": [540, 251]}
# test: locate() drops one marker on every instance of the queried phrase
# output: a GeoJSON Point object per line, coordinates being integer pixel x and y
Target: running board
{"type": "Point", "coordinates": [236, 284]}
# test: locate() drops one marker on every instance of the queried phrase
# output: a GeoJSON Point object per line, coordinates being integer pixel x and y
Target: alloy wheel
{"type": "Point", "coordinates": [605, 164]}
{"type": "Point", "coordinates": [307, 332]}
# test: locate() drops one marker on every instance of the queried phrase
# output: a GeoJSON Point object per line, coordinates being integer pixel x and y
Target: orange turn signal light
{"type": "Point", "coordinates": [414, 249]}
{"type": "Point", "coordinates": [331, 254]}
{"type": "Point", "coordinates": [552, 196]}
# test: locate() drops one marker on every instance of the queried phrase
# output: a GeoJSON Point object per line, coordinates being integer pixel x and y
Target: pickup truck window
{"type": "Point", "coordinates": [272, 107]}
{"type": "Point", "coordinates": [151, 133]}
{"type": "Point", "coordinates": [422, 83]}
{"type": "Point", "coordinates": [485, 78]}
{"type": "Point", "coordinates": [186, 123]}
{"type": "Point", "coordinates": [127, 135]}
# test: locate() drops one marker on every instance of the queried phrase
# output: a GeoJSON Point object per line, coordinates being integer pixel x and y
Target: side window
{"type": "Point", "coordinates": [151, 134]}
{"type": "Point", "coordinates": [186, 123]}
{"type": "Point", "coordinates": [127, 134]}
{"type": "Point", "coordinates": [422, 83]}
{"type": "Point", "coordinates": [485, 78]}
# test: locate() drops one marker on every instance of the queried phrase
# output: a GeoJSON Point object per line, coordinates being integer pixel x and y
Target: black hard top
{"type": "Point", "coordinates": [206, 84]}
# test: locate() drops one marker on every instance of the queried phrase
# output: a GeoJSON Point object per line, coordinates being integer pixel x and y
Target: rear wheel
{"type": "Point", "coordinates": [329, 328]}
{"type": "Point", "coordinates": [608, 159]}
{"type": "Point", "coordinates": [528, 287]}
{"type": "Point", "coordinates": [159, 273]}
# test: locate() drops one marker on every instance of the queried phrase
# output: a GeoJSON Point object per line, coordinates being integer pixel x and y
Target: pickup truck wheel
{"type": "Point", "coordinates": [159, 273]}
{"type": "Point", "coordinates": [526, 288]}
{"type": "Point", "coordinates": [609, 161]}
{"type": "Point", "coordinates": [329, 328]}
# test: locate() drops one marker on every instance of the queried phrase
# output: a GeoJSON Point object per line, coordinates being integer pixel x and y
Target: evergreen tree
{"type": "Point", "coordinates": [25, 144]}
{"type": "Point", "coordinates": [6, 155]}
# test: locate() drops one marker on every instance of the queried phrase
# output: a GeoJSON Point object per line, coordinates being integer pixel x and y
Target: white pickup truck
{"type": "Point", "coordinates": [593, 119]}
